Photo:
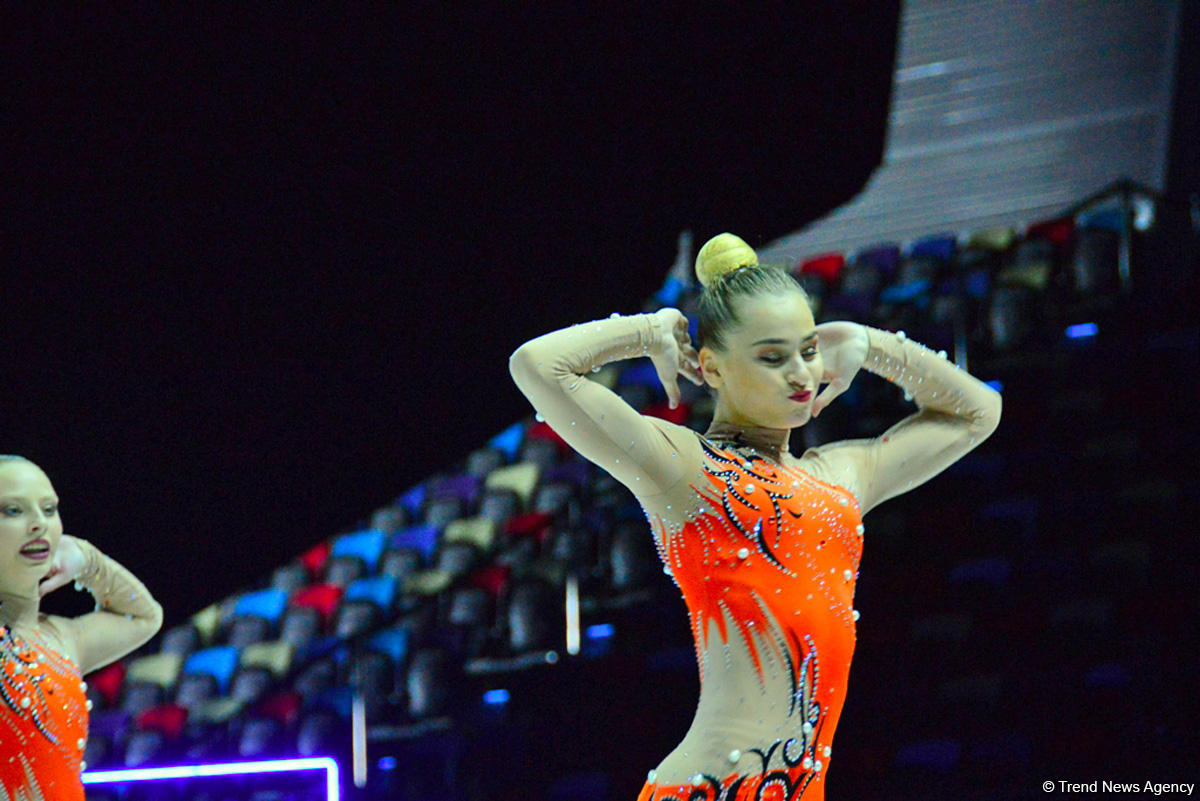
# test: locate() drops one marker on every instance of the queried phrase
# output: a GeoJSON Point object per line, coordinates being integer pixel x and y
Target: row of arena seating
{"type": "Point", "coordinates": [426, 610]}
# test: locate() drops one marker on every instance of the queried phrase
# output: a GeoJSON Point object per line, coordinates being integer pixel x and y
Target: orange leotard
{"type": "Point", "coordinates": [772, 552]}
{"type": "Point", "coordinates": [43, 722]}
{"type": "Point", "coordinates": [764, 546]}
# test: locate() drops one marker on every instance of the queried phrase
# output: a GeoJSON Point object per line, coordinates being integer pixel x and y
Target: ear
{"type": "Point", "coordinates": [710, 365]}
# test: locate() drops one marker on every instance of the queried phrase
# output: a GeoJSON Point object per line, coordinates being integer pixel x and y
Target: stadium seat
{"type": "Point", "coordinates": [143, 747]}
{"type": "Point", "coordinates": [493, 578]}
{"type": "Point", "coordinates": [389, 519]}
{"type": "Point", "coordinates": [478, 531]}
{"type": "Point", "coordinates": [393, 642]}
{"type": "Point", "coordinates": [463, 486]}
{"type": "Point", "coordinates": [400, 563]}
{"type": "Point", "coordinates": [244, 631]}
{"type": "Point", "coordinates": [250, 684]}
{"type": "Point", "coordinates": [939, 246]}
{"type": "Point", "coordinates": [300, 627]}
{"type": "Point", "coordinates": [827, 267]}
{"type": "Point", "coordinates": [168, 719]}
{"type": "Point", "coordinates": [267, 604]}
{"type": "Point", "coordinates": [412, 500]}
{"type": "Point", "coordinates": [283, 706]}
{"type": "Point", "coordinates": [318, 733]}
{"type": "Point", "coordinates": [378, 590]}
{"type": "Point", "coordinates": [482, 461]}
{"type": "Point", "coordinates": [534, 525]}
{"type": "Point", "coordinates": [341, 571]}
{"type": "Point", "coordinates": [219, 662]}
{"type": "Point", "coordinates": [316, 677]}
{"type": "Point", "coordinates": [422, 539]}
{"type": "Point", "coordinates": [428, 683]}
{"type": "Point", "coordinates": [439, 512]}
{"type": "Point", "coordinates": [458, 558]}
{"type": "Point", "coordinates": [1060, 230]}
{"type": "Point", "coordinates": [289, 577]}
{"type": "Point", "coordinates": [531, 616]}
{"type": "Point", "coordinates": [509, 441]}
{"type": "Point", "coordinates": [521, 478]}
{"type": "Point", "coordinates": [498, 505]}
{"type": "Point", "coordinates": [367, 545]}
{"type": "Point", "coordinates": [138, 696]}
{"type": "Point", "coordinates": [258, 737]}
{"type": "Point", "coordinates": [275, 656]}
{"type": "Point", "coordinates": [206, 623]}
{"type": "Point", "coordinates": [541, 452]}
{"type": "Point", "coordinates": [995, 239]}
{"type": "Point", "coordinates": [314, 558]}
{"type": "Point", "coordinates": [885, 258]}
{"type": "Point", "coordinates": [161, 669]}
{"type": "Point", "coordinates": [107, 681]}
{"type": "Point", "coordinates": [324, 598]}
{"type": "Point", "coordinates": [427, 582]}
{"type": "Point", "coordinates": [180, 640]}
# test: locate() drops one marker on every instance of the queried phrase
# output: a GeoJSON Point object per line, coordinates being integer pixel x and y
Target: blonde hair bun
{"type": "Point", "coordinates": [721, 255]}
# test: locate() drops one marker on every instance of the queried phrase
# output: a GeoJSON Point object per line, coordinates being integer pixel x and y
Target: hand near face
{"type": "Point", "coordinates": [843, 347]}
{"type": "Point", "coordinates": [675, 354]}
{"type": "Point", "coordinates": [67, 563]}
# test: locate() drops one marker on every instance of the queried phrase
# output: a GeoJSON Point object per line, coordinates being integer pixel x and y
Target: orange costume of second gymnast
{"type": "Point", "coordinates": [764, 546]}
{"type": "Point", "coordinates": [43, 703]}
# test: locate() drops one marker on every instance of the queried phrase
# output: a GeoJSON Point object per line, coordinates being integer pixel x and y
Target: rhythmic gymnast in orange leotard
{"type": "Point", "coordinates": [43, 658]}
{"type": "Point", "coordinates": [763, 546]}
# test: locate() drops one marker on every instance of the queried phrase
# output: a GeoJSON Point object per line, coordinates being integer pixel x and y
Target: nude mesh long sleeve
{"type": "Point", "coordinates": [552, 371]}
{"type": "Point", "coordinates": [126, 614]}
{"type": "Point", "coordinates": [929, 379]}
{"type": "Point", "coordinates": [956, 412]}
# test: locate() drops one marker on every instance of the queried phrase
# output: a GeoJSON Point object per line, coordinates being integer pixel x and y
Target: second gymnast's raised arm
{"type": "Point", "coordinates": [641, 452]}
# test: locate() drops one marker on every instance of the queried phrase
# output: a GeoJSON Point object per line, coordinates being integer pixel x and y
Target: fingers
{"type": "Point", "coordinates": [667, 377]}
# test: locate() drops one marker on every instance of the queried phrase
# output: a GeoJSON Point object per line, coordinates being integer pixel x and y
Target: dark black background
{"type": "Point", "coordinates": [263, 269]}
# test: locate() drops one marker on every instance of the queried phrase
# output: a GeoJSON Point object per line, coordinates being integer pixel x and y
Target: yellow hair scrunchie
{"type": "Point", "coordinates": [721, 255]}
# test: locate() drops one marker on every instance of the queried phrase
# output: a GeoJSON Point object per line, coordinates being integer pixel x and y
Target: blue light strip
{"type": "Point", "coordinates": [1081, 330]}
{"type": "Point", "coordinates": [327, 764]}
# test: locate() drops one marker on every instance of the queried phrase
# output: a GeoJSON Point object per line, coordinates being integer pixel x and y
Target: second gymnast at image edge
{"type": "Point", "coordinates": [764, 546]}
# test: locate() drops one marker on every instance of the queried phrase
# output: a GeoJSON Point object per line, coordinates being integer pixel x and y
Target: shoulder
{"type": "Point", "coordinates": [61, 633]}
{"type": "Point", "coordinates": [846, 463]}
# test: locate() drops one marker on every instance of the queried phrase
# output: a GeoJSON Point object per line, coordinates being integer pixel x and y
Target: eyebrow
{"type": "Point", "coordinates": [781, 341]}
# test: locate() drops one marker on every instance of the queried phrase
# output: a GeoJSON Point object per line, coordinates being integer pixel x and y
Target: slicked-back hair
{"type": "Point", "coordinates": [716, 306]}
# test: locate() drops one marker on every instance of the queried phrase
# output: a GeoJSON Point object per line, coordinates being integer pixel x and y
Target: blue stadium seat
{"type": "Point", "coordinates": [218, 662]}
{"type": "Point", "coordinates": [420, 538]}
{"type": "Point", "coordinates": [367, 545]}
{"type": "Point", "coordinates": [394, 642]}
{"type": "Point", "coordinates": [380, 590]}
{"type": "Point", "coordinates": [940, 246]}
{"type": "Point", "coordinates": [267, 604]}
{"type": "Point", "coordinates": [509, 440]}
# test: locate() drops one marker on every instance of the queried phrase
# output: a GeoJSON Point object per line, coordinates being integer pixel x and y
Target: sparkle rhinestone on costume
{"type": "Point", "coordinates": [43, 721]}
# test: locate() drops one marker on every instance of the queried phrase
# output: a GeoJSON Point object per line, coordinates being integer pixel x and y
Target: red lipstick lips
{"type": "Point", "coordinates": [802, 396]}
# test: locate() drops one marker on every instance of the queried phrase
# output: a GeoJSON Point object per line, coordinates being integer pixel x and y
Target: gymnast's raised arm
{"type": "Point", "coordinates": [641, 452]}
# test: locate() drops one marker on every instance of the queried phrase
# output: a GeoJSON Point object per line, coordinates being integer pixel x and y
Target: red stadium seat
{"type": "Point", "coordinates": [322, 597]}
{"type": "Point", "coordinates": [169, 719]}
{"type": "Point", "coordinates": [530, 524]}
{"type": "Point", "coordinates": [544, 431]}
{"type": "Point", "coordinates": [827, 265]}
{"type": "Point", "coordinates": [314, 558]}
{"type": "Point", "coordinates": [108, 682]}
{"type": "Point", "coordinates": [1059, 231]}
{"type": "Point", "coordinates": [283, 706]}
{"type": "Point", "coordinates": [493, 578]}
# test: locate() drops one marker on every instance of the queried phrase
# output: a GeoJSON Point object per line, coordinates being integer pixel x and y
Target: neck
{"type": "Point", "coordinates": [771, 443]}
{"type": "Point", "coordinates": [19, 610]}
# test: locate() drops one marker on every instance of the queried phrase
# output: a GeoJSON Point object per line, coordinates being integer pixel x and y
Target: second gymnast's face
{"type": "Point", "coordinates": [769, 363]}
{"type": "Point", "coordinates": [30, 528]}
